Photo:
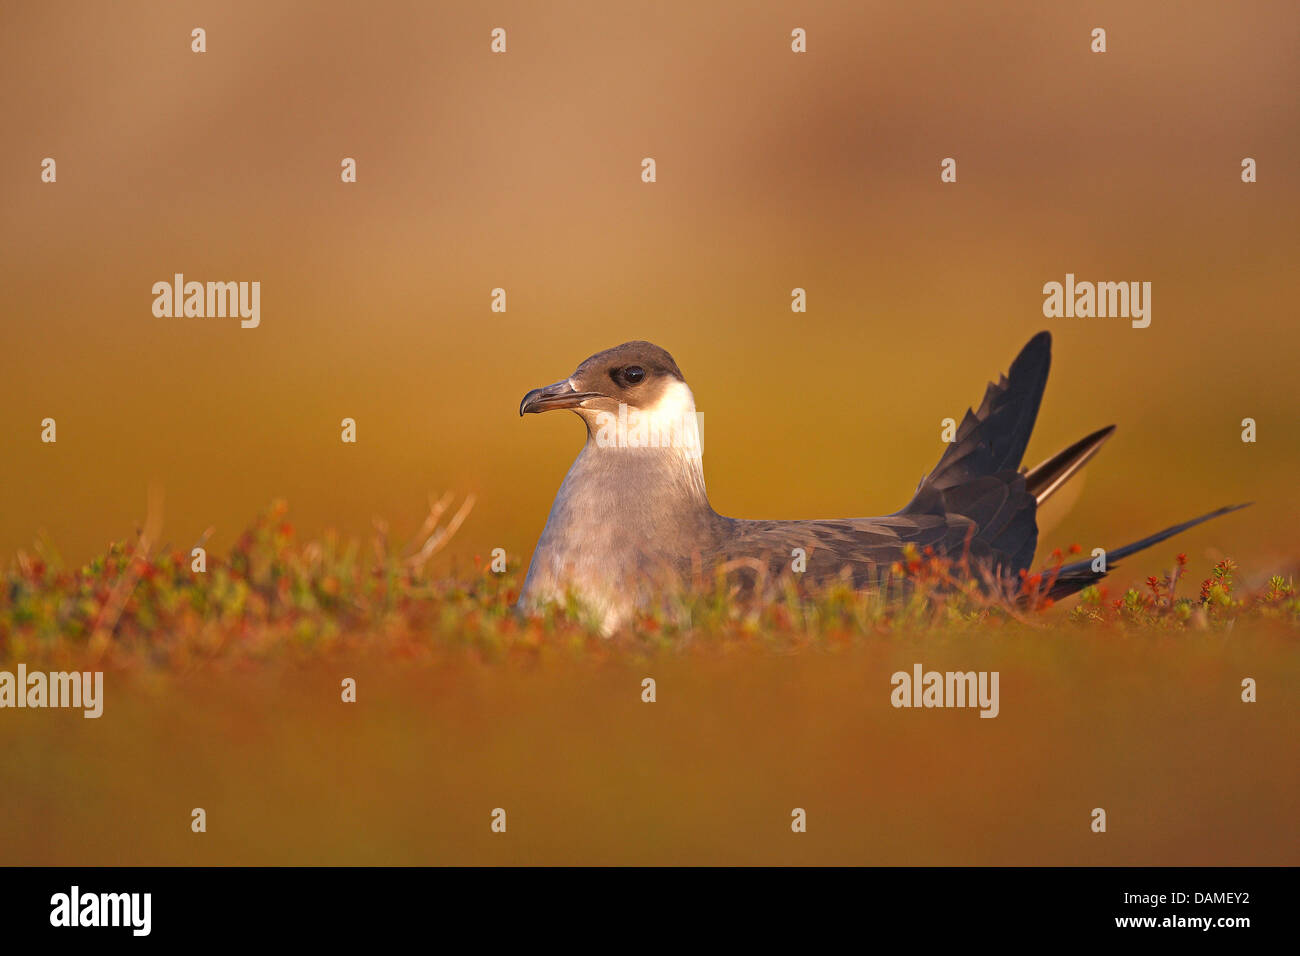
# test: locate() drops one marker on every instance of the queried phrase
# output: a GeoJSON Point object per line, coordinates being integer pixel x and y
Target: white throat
{"type": "Point", "coordinates": [664, 438]}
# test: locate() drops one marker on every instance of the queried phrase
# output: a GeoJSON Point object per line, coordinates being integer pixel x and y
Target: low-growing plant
{"type": "Point", "coordinates": [275, 597]}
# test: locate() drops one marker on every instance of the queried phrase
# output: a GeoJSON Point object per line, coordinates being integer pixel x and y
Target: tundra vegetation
{"type": "Point", "coordinates": [274, 597]}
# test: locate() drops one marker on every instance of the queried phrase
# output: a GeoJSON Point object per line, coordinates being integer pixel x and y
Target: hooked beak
{"type": "Point", "coordinates": [559, 395]}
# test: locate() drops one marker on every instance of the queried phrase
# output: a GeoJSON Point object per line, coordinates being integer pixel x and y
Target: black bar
{"type": "Point", "coordinates": [333, 905]}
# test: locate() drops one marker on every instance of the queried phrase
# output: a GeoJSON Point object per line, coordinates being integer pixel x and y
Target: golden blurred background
{"type": "Point", "coordinates": [522, 171]}
{"type": "Point", "coordinates": [775, 171]}
{"type": "Point", "coordinates": [1151, 730]}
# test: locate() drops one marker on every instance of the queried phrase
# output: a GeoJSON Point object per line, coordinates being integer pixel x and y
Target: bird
{"type": "Point", "coordinates": [632, 516]}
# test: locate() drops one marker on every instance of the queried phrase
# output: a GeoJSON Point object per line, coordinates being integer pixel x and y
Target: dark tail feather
{"type": "Point", "coordinates": [993, 439]}
{"type": "Point", "coordinates": [1044, 479]}
{"type": "Point", "coordinates": [979, 474]}
{"type": "Point", "coordinates": [1077, 576]}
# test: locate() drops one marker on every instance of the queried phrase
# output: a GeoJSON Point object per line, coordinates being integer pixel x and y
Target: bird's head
{"type": "Point", "coordinates": [636, 385]}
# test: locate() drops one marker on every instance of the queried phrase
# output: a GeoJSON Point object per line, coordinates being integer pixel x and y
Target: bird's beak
{"type": "Point", "coordinates": [560, 395]}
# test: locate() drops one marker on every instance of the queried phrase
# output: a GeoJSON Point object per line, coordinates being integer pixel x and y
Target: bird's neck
{"type": "Point", "coordinates": [651, 454]}
{"type": "Point", "coordinates": [666, 480]}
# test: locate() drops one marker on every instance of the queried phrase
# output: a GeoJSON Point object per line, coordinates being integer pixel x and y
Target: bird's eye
{"type": "Point", "coordinates": [633, 374]}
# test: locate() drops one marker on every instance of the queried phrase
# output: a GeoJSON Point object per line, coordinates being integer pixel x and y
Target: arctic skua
{"type": "Point", "coordinates": [633, 513]}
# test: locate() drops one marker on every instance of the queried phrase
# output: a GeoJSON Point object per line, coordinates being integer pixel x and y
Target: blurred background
{"type": "Point", "coordinates": [522, 171]}
{"type": "Point", "coordinates": [1150, 729]}
{"type": "Point", "coordinates": [775, 171]}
